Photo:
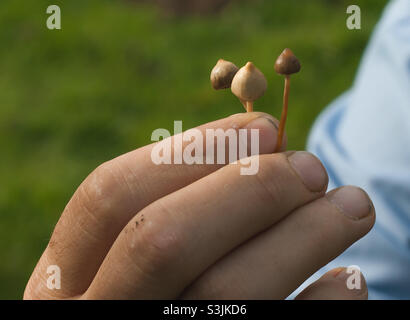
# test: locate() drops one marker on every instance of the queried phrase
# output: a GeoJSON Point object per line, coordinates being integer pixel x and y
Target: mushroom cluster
{"type": "Point", "coordinates": [248, 83]}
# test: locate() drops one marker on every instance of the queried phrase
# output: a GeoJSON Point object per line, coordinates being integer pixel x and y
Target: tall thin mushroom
{"type": "Point", "coordinates": [286, 64]}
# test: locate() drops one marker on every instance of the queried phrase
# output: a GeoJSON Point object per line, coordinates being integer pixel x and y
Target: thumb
{"type": "Point", "coordinates": [337, 284]}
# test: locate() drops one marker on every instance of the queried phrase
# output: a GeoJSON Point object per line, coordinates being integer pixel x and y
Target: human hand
{"type": "Point", "coordinates": [136, 230]}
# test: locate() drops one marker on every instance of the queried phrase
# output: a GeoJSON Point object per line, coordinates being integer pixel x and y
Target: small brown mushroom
{"type": "Point", "coordinates": [249, 84]}
{"type": "Point", "coordinates": [222, 74]}
{"type": "Point", "coordinates": [286, 64]}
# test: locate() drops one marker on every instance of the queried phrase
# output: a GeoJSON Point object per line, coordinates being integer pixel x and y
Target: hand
{"type": "Point", "coordinates": [136, 230]}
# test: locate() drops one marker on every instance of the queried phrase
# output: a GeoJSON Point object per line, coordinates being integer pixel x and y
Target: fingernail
{"type": "Point", "coordinates": [267, 133]}
{"type": "Point", "coordinates": [353, 202]}
{"type": "Point", "coordinates": [310, 170]}
{"type": "Point", "coordinates": [335, 272]}
{"type": "Point", "coordinates": [341, 274]}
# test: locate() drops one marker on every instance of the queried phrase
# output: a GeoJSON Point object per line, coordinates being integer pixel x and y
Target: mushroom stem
{"type": "Point", "coordinates": [284, 115]}
{"type": "Point", "coordinates": [249, 106]}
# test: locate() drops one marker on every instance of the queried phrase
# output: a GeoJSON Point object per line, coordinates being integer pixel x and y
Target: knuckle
{"type": "Point", "coordinates": [95, 193]}
{"type": "Point", "coordinates": [157, 241]}
{"type": "Point", "coordinates": [95, 183]}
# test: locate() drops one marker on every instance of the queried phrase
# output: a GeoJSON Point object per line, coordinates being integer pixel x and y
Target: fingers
{"type": "Point", "coordinates": [111, 196]}
{"type": "Point", "coordinates": [175, 239]}
{"type": "Point", "coordinates": [336, 285]}
{"type": "Point", "coordinates": [274, 264]}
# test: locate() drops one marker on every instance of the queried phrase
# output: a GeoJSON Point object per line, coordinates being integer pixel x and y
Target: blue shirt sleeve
{"type": "Point", "coordinates": [363, 139]}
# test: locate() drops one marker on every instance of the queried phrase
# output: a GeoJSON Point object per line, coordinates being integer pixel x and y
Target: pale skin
{"type": "Point", "coordinates": [136, 230]}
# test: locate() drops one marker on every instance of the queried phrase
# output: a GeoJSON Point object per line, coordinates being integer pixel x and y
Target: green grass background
{"type": "Point", "coordinates": [74, 98]}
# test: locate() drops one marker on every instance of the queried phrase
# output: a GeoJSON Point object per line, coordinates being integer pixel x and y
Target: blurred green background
{"type": "Point", "coordinates": [117, 70]}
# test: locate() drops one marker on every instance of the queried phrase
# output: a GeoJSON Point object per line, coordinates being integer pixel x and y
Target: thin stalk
{"type": "Point", "coordinates": [249, 106]}
{"type": "Point", "coordinates": [284, 115]}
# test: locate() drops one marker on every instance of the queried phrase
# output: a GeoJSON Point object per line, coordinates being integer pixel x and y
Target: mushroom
{"type": "Point", "coordinates": [222, 74]}
{"type": "Point", "coordinates": [249, 84]}
{"type": "Point", "coordinates": [286, 64]}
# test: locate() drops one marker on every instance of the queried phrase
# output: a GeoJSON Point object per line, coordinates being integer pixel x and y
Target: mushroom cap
{"type": "Point", "coordinates": [287, 63]}
{"type": "Point", "coordinates": [222, 74]}
{"type": "Point", "coordinates": [249, 83]}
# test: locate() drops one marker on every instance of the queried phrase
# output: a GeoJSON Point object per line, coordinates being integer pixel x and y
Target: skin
{"type": "Point", "coordinates": [136, 230]}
